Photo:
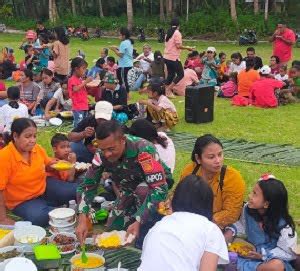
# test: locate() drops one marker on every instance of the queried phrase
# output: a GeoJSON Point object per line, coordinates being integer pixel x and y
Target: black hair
{"type": "Point", "coordinates": [27, 47]}
{"type": "Point", "coordinates": [237, 56]}
{"type": "Point", "coordinates": [64, 81]}
{"type": "Point", "coordinates": [107, 128]}
{"type": "Point", "coordinates": [13, 94]}
{"type": "Point", "coordinates": [39, 22]}
{"type": "Point", "coordinates": [61, 35]}
{"type": "Point", "coordinates": [173, 26]}
{"type": "Point", "coordinates": [47, 72]}
{"type": "Point", "coordinates": [57, 138]}
{"type": "Point", "coordinates": [99, 62]}
{"type": "Point", "coordinates": [105, 51]}
{"type": "Point", "coordinates": [145, 129]}
{"type": "Point", "coordinates": [296, 67]}
{"type": "Point", "coordinates": [283, 67]}
{"type": "Point", "coordinates": [194, 53]}
{"type": "Point", "coordinates": [193, 195]}
{"type": "Point", "coordinates": [234, 76]}
{"type": "Point", "coordinates": [111, 59]}
{"type": "Point", "coordinates": [250, 63]}
{"type": "Point", "coordinates": [250, 49]}
{"type": "Point", "coordinates": [221, 54]}
{"type": "Point", "coordinates": [201, 143]}
{"type": "Point", "coordinates": [28, 73]}
{"type": "Point", "coordinates": [125, 32]}
{"type": "Point", "coordinates": [44, 38]}
{"type": "Point", "coordinates": [156, 85]}
{"type": "Point", "coordinates": [19, 125]}
{"type": "Point", "coordinates": [77, 62]}
{"type": "Point", "coordinates": [158, 57]}
{"type": "Point", "coordinates": [296, 63]}
{"type": "Point", "coordinates": [275, 193]}
{"type": "Point", "coordinates": [277, 59]}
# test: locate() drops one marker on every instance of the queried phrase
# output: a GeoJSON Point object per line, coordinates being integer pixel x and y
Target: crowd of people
{"type": "Point", "coordinates": [134, 164]}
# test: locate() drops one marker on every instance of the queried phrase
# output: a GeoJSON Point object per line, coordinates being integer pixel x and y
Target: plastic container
{"type": "Point", "coordinates": [62, 217]}
{"type": "Point", "coordinates": [233, 258]}
{"type": "Point", "coordinates": [62, 228]}
{"type": "Point", "coordinates": [47, 257]}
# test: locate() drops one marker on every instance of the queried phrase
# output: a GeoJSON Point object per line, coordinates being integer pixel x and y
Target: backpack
{"type": "Point", "coordinates": [222, 175]}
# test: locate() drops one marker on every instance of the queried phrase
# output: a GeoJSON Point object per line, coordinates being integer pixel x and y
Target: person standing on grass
{"type": "Point", "coordinates": [283, 41]}
{"type": "Point", "coordinates": [173, 47]}
{"type": "Point", "coordinates": [125, 54]}
{"type": "Point", "coordinates": [252, 55]}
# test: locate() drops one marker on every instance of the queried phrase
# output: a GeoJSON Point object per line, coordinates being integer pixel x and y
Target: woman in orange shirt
{"type": "Point", "coordinates": [226, 182]}
{"type": "Point", "coordinates": [24, 188]}
{"type": "Point", "coordinates": [246, 78]}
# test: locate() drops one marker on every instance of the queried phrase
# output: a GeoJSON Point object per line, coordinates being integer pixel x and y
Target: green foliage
{"type": "Point", "coordinates": [6, 11]}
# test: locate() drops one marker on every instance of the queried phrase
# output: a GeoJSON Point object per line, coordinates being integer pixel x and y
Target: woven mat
{"type": "Point", "coordinates": [242, 150]}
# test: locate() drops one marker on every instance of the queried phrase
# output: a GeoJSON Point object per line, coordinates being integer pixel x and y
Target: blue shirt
{"type": "Point", "coordinates": [126, 49]}
{"type": "Point", "coordinates": [94, 71]}
{"type": "Point", "coordinates": [44, 57]}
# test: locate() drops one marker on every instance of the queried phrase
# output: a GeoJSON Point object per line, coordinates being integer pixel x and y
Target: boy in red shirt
{"type": "Point", "coordinates": [262, 92]}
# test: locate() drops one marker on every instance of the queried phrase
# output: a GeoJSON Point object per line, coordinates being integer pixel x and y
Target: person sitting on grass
{"type": "Point", "coordinates": [136, 76]}
{"type": "Point", "coordinates": [24, 187]}
{"type": "Point", "coordinates": [158, 68]}
{"type": "Point", "coordinates": [188, 236]}
{"type": "Point", "coordinates": [37, 75]}
{"type": "Point", "coordinates": [262, 92]}
{"type": "Point", "coordinates": [146, 58]}
{"type": "Point", "coordinates": [246, 78]}
{"type": "Point", "coordinates": [29, 91]}
{"type": "Point", "coordinates": [267, 224]}
{"type": "Point", "coordinates": [237, 64]}
{"type": "Point", "coordinates": [274, 65]}
{"type": "Point", "coordinates": [60, 100]}
{"type": "Point", "coordinates": [211, 65]}
{"type": "Point", "coordinates": [62, 151]}
{"type": "Point", "coordinates": [104, 54]}
{"type": "Point", "coordinates": [13, 109]}
{"type": "Point", "coordinates": [190, 78]}
{"type": "Point", "coordinates": [3, 93]}
{"type": "Point", "coordinates": [95, 71]}
{"type": "Point", "coordinates": [282, 75]}
{"type": "Point", "coordinates": [160, 110]}
{"type": "Point", "coordinates": [223, 68]}
{"type": "Point", "coordinates": [226, 182]}
{"type": "Point", "coordinates": [111, 65]}
{"type": "Point", "coordinates": [230, 88]}
{"type": "Point", "coordinates": [251, 55]}
{"type": "Point", "coordinates": [295, 81]}
{"type": "Point", "coordinates": [30, 59]}
{"type": "Point", "coordinates": [83, 135]}
{"type": "Point", "coordinates": [194, 62]}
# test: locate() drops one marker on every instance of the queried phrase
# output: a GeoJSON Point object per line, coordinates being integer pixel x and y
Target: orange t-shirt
{"type": "Point", "coordinates": [171, 51]}
{"type": "Point", "coordinates": [19, 180]}
{"type": "Point", "coordinates": [245, 81]}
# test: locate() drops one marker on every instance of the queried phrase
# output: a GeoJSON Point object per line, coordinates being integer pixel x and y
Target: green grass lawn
{"type": "Point", "coordinates": [278, 126]}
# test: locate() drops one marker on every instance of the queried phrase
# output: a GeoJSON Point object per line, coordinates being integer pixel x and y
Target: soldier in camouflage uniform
{"type": "Point", "coordinates": [135, 168]}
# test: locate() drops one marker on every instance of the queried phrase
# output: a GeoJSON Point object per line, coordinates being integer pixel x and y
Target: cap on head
{"type": "Point", "coordinates": [211, 49]}
{"type": "Point", "coordinates": [265, 70]}
{"type": "Point", "coordinates": [30, 34]}
{"type": "Point", "coordinates": [103, 110]}
{"type": "Point", "coordinates": [36, 70]}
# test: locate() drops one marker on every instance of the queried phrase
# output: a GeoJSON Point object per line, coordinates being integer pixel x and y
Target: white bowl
{"type": "Point", "coordinates": [29, 234]}
{"type": "Point", "coordinates": [70, 228]}
{"type": "Point", "coordinates": [62, 217]}
{"type": "Point", "coordinates": [20, 263]}
{"type": "Point", "coordinates": [55, 121]}
{"type": "Point", "coordinates": [19, 249]}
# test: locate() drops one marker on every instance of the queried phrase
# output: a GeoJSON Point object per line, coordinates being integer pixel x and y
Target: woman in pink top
{"type": "Point", "coordinates": [173, 47]}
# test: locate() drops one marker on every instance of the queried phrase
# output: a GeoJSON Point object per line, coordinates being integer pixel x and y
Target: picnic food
{"type": "Point", "coordinates": [3, 233]}
{"type": "Point", "coordinates": [93, 262]}
{"type": "Point", "coordinates": [66, 114]}
{"type": "Point", "coordinates": [130, 258]}
{"type": "Point", "coordinates": [9, 254]}
{"type": "Point", "coordinates": [62, 165]}
{"type": "Point", "coordinates": [112, 241]}
{"type": "Point", "coordinates": [164, 208]}
{"type": "Point", "coordinates": [81, 166]}
{"type": "Point", "coordinates": [242, 248]}
{"type": "Point", "coordinates": [61, 239]}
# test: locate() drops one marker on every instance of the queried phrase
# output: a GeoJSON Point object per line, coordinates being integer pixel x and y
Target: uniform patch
{"type": "Point", "coordinates": [146, 161]}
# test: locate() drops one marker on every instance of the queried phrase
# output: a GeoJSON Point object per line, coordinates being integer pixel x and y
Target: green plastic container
{"type": "Point", "coordinates": [47, 256]}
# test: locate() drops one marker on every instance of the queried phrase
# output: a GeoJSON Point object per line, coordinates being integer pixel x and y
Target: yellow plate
{"type": "Point", "coordinates": [53, 114]}
{"type": "Point", "coordinates": [241, 247]}
{"type": "Point", "coordinates": [62, 165]}
{"type": "Point", "coordinates": [66, 114]}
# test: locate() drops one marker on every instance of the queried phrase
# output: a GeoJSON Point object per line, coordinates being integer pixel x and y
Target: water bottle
{"type": "Point", "coordinates": [73, 205]}
{"type": "Point", "coordinates": [232, 266]}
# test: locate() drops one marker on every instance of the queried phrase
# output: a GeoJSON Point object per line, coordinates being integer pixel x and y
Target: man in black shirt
{"type": "Point", "coordinates": [83, 134]}
{"type": "Point", "coordinates": [251, 55]}
{"type": "Point", "coordinates": [41, 29]}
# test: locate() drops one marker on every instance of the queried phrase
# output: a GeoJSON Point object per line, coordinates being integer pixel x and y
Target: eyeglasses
{"type": "Point", "coordinates": [209, 52]}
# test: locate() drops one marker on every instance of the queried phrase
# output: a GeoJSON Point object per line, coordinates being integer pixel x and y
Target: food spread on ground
{"type": "Point", "coordinates": [9, 254]}
{"type": "Point", "coordinates": [62, 165]}
{"type": "Point", "coordinates": [241, 248]}
{"type": "Point", "coordinates": [81, 166]}
{"type": "Point", "coordinates": [92, 262]}
{"type": "Point", "coordinates": [61, 239]}
{"type": "Point", "coordinates": [29, 239]}
{"type": "Point", "coordinates": [111, 241]}
{"type": "Point", "coordinates": [164, 208]}
{"type": "Point", "coordinates": [66, 114]}
{"type": "Point", "coordinates": [3, 233]}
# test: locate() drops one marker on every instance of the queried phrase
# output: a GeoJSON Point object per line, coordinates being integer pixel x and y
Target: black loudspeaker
{"type": "Point", "coordinates": [199, 104]}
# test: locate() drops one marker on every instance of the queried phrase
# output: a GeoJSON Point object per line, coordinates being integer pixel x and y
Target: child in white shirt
{"type": "Point", "coordinates": [282, 75]}
{"type": "Point", "coordinates": [14, 109]}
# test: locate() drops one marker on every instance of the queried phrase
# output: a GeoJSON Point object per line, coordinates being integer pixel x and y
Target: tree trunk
{"type": "Point", "coordinates": [170, 8]}
{"type": "Point", "coordinates": [73, 5]}
{"type": "Point", "coordinates": [187, 9]}
{"type": "Point", "coordinates": [52, 11]}
{"type": "Point", "coordinates": [161, 11]}
{"type": "Point", "coordinates": [266, 10]}
{"type": "Point", "coordinates": [233, 10]}
{"type": "Point", "coordinates": [100, 8]}
{"type": "Point", "coordinates": [256, 7]}
{"type": "Point", "coordinates": [129, 15]}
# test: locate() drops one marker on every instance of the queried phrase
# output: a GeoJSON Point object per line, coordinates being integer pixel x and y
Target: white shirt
{"type": "Point", "coordinates": [281, 78]}
{"type": "Point", "coordinates": [8, 114]}
{"type": "Point", "coordinates": [58, 95]}
{"type": "Point", "coordinates": [178, 241]}
{"type": "Point", "coordinates": [237, 68]}
{"type": "Point", "coordinates": [167, 155]}
{"type": "Point", "coordinates": [145, 65]}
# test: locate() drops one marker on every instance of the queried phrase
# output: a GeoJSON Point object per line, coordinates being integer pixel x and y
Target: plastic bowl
{"type": "Point", "coordinates": [29, 234]}
{"type": "Point", "coordinates": [70, 228]}
{"type": "Point", "coordinates": [62, 217]}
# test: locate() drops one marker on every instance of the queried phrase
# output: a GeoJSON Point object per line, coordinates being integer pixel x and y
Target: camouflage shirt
{"type": "Point", "coordinates": [127, 174]}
